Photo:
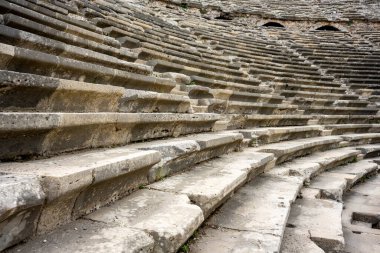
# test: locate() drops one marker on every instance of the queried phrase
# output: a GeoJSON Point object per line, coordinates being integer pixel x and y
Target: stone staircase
{"type": "Point", "coordinates": [124, 131]}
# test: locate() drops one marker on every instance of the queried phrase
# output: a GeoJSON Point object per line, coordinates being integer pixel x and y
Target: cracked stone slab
{"type": "Point", "coordinates": [361, 242]}
{"type": "Point", "coordinates": [70, 181]}
{"type": "Point", "coordinates": [169, 218]}
{"type": "Point", "coordinates": [21, 200]}
{"type": "Point", "coordinates": [302, 169]}
{"type": "Point", "coordinates": [260, 207]}
{"type": "Point", "coordinates": [331, 186]}
{"type": "Point", "coordinates": [321, 219]}
{"type": "Point", "coordinates": [291, 146]}
{"type": "Point", "coordinates": [364, 200]}
{"type": "Point", "coordinates": [296, 241]}
{"type": "Point", "coordinates": [181, 153]}
{"type": "Point", "coordinates": [356, 171]}
{"type": "Point", "coordinates": [288, 150]}
{"type": "Point", "coordinates": [89, 236]}
{"type": "Point", "coordinates": [371, 150]}
{"type": "Point", "coordinates": [209, 183]}
{"type": "Point", "coordinates": [328, 159]}
{"type": "Point", "coordinates": [224, 240]}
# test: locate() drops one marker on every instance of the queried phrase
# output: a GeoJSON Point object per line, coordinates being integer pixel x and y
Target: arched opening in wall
{"type": "Point", "coordinates": [327, 28]}
{"type": "Point", "coordinates": [273, 24]}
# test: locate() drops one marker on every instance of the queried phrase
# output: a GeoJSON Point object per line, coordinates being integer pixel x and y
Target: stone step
{"type": "Point", "coordinates": [29, 92]}
{"type": "Point", "coordinates": [289, 150]}
{"type": "Point", "coordinates": [14, 188]}
{"type": "Point", "coordinates": [361, 139]}
{"type": "Point", "coordinates": [338, 129]}
{"type": "Point", "coordinates": [278, 73]}
{"type": "Point", "coordinates": [330, 185]}
{"type": "Point", "coordinates": [219, 84]}
{"type": "Point", "coordinates": [312, 165]}
{"type": "Point", "coordinates": [180, 153]}
{"type": "Point", "coordinates": [354, 172]}
{"type": "Point", "coordinates": [250, 121]}
{"type": "Point", "coordinates": [338, 110]}
{"type": "Point", "coordinates": [317, 220]}
{"type": "Point", "coordinates": [148, 54]}
{"type": "Point", "coordinates": [293, 66]}
{"type": "Point", "coordinates": [163, 66]}
{"type": "Point", "coordinates": [201, 92]}
{"type": "Point", "coordinates": [305, 102]}
{"type": "Point", "coordinates": [139, 101]}
{"type": "Point", "coordinates": [318, 95]}
{"type": "Point", "coordinates": [27, 25]}
{"type": "Point", "coordinates": [260, 136]}
{"type": "Point", "coordinates": [361, 212]}
{"type": "Point", "coordinates": [88, 236]}
{"type": "Point", "coordinates": [280, 86]}
{"type": "Point", "coordinates": [34, 62]}
{"type": "Point", "coordinates": [370, 150]}
{"type": "Point", "coordinates": [30, 11]}
{"type": "Point", "coordinates": [70, 193]}
{"type": "Point", "coordinates": [161, 205]}
{"type": "Point", "coordinates": [347, 119]}
{"type": "Point", "coordinates": [155, 221]}
{"type": "Point", "coordinates": [287, 69]}
{"type": "Point", "coordinates": [252, 220]}
{"type": "Point", "coordinates": [327, 186]}
{"type": "Point", "coordinates": [41, 134]}
{"type": "Point", "coordinates": [32, 41]}
{"type": "Point", "coordinates": [209, 184]}
{"type": "Point", "coordinates": [237, 107]}
{"type": "Point", "coordinates": [360, 216]}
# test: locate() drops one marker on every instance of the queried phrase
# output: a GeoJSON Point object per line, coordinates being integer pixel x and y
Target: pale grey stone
{"type": "Point", "coordinates": [169, 218]}
{"type": "Point", "coordinates": [89, 236]}
{"type": "Point", "coordinates": [321, 219]}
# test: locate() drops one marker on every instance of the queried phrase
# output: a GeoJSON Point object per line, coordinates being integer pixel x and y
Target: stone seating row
{"type": "Point", "coordinates": [182, 153]}
{"type": "Point", "coordinates": [321, 199]}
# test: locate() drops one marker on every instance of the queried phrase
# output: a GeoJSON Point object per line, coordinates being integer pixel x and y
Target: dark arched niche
{"type": "Point", "coordinates": [273, 24]}
{"type": "Point", "coordinates": [327, 28]}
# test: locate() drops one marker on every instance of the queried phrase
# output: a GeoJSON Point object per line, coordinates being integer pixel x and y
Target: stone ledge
{"type": "Point", "coordinates": [41, 134]}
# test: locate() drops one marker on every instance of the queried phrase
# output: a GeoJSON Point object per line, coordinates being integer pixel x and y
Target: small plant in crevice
{"type": "Point", "coordinates": [184, 248]}
{"type": "Point", "coordinates": [184, 6]}
{"type": "Point", "coordinates": [203, 11]}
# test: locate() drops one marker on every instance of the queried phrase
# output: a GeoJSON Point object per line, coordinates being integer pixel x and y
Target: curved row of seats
{"type": "Point", "coordinates": [89, 88]}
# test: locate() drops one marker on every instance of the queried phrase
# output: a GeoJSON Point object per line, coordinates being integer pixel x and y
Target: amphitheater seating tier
{"type": "Point", "coordinates": [183, 126]}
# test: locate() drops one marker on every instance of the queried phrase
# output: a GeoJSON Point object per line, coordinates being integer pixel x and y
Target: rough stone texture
{"type": "Point", "coordinates": [226, 240]}
{"type": "Point", "coordinates": [363, 199]}
{"type": "Point", "coordinates": [290, 149]}
{"type": "Point", "coordinates": [28, 134]}
{"type": "Point", "coordinates": [330, 186]}
{"type": "Point", "coordinates": [21, 199]}
{"type": "Point", "coordinates": [296, 241]}
{"type": "Point", "coordinates": [169, 218]}
{"type": "Point", "coordinates": [210, 183]}
{"type": "Point", "coordinates": [77, 184]}
{"type": "Point", "coordinates": [258, 210]}
{"type": "Point", "coordinates": [359, 242]}
{"type": "Point", "coordinates": [89, 236]}
{"type": "Point", "coordinates": [360, 216]}
{"type": "Point", "coordinates": [321, 219]}
{"type": "Point", "coordinates": [99, 74]}
{"type": "Point", "coordinates": [356, 170]}
{"type": "Point", "coordinates": [179, 154]}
